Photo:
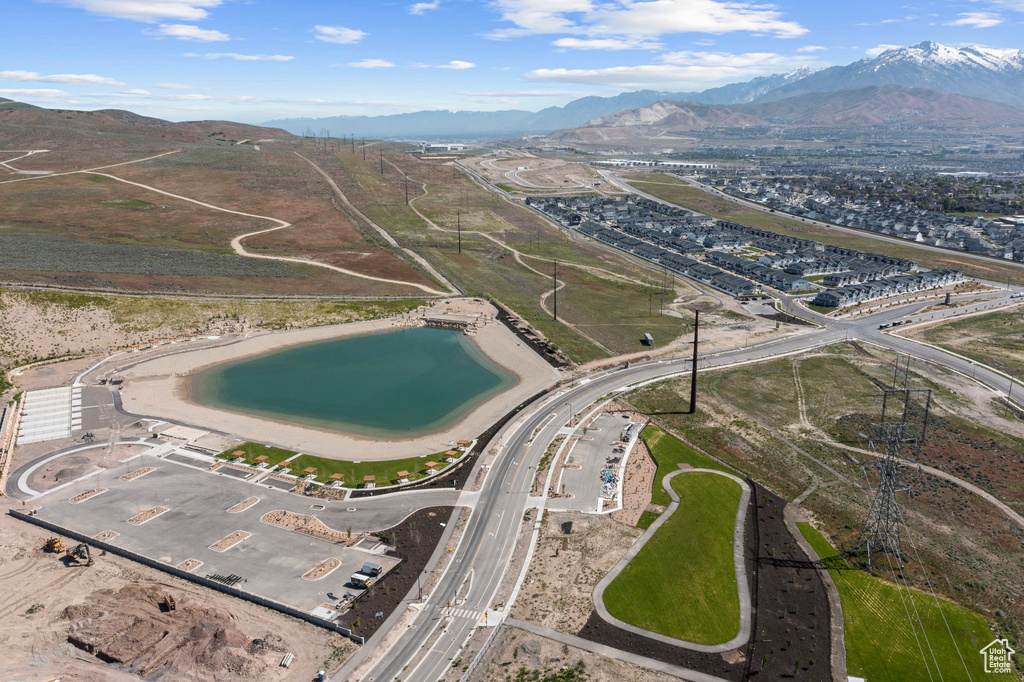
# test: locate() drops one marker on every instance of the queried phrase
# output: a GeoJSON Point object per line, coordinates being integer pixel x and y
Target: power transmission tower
{"type": "Point", "coordinates": [904, 422]}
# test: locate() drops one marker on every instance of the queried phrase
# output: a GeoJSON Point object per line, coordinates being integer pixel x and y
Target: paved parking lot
{"type": "Point", "coordinates": [272, 560]}
{"type": "Point", "coordinates": [591, 453]}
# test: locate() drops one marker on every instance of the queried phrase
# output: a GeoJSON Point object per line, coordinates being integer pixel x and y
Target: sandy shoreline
{"type": "Point", "coordinates": [160, 388]}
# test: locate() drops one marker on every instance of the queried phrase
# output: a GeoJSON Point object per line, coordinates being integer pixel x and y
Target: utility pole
{"type": "Point", "coordinates": [381, 162]}
{"type": "Point", "coordinates": [554, 293]}
{"type": "Point", "coordinates": [458, 224]}
{"type": "Point", "coordinates": [406, 189]}
{"type": "Point", "coordinates": [693, 369]}
{"type": "Point", "coordinates": [364, 149]}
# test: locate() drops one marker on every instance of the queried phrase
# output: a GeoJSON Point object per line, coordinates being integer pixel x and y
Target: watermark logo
{"type": "Point", "coordinates": [997, 656]}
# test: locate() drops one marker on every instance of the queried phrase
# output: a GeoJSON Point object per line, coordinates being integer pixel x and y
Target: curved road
{"type": "Point", "coordinates": [484, 553]}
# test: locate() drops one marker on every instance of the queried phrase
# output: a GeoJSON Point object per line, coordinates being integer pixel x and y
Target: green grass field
{"type": "Point", "coordinates": [253, 450]}
{"type": "Point", "coordinates": [682, 583]}
{"type": "Point", "coordinates": [668, 453]}
{"type": "Point", "coordinates": [646, 519]}
{"type": "Point", "coordinates": [884, 644]}
{"type": "Point", "coordinates": [386, 471]}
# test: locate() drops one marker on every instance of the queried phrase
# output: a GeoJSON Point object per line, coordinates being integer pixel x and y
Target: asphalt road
{"type": "Point", "coordinates": [485, 551]}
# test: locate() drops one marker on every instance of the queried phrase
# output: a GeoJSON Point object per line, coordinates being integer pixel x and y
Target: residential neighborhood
{"type": "Point", "coordinates": [737, 259]}
{"type": "Point", "coordinates": [806, 197]}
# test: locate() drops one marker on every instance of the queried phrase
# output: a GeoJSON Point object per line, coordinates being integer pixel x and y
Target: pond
{"type": "Point", "coordinates": [389, 384]}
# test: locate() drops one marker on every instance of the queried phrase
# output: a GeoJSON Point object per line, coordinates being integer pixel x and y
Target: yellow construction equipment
{"type": "Point", "coordinates": [79, 555]}
{"type": "Point", "coordinates": [54, 545]}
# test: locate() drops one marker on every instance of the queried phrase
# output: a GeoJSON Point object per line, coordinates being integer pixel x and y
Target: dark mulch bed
{"type": "Point", "coordinates": [414, 540]}
{"type": "Point", "coordinates": [790, 620]}
{"type": "Point", "coordinates": [792, 626]}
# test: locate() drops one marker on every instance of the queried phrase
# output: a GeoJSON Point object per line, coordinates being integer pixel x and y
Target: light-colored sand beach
{"type": "Point", "coordinates": [160, 387]}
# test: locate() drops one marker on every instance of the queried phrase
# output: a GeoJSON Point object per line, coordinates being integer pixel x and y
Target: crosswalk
{"type": "Point", "coordinates": [460, 613]}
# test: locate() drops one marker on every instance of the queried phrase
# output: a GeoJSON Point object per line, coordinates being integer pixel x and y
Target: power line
{"type": "Point", "coordinates": [938, 606]}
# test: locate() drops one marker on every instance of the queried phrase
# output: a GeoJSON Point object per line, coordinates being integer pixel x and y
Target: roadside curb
{"type": "Point", "coordinates": [739, 563]}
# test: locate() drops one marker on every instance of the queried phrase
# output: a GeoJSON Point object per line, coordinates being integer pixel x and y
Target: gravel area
{"type": "Point", "coordinates": [310, 525]}
{"type": "Point", "coordinates": [151, 513]}
{"type": "Point", "coordinates": [82, 497]}
{"type": "Point", "coordinates": [322, 569]}
{"type": "Point", "coordinates": [243, 505]}
{"type": "Point", "coordinates": [135, 474]}
{"type": "Point", "coordinates": [230, 541]}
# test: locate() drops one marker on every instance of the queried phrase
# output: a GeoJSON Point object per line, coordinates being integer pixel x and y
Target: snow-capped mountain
{"type": "Point", "coordinates": [987, 73]}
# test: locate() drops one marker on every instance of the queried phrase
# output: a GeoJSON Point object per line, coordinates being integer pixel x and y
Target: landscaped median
{"type": "Point", "coordinates": [897, 633]}
{"type": "Point", "coordinates": [681, 584]}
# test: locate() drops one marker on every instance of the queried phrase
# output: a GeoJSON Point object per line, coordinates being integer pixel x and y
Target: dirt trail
{"type": "Point", "coordinates": [87, 170]}
{"type": "Point", "coordinates": [384, 233]}
{"type": "Point", "coordinates": [236, 243]}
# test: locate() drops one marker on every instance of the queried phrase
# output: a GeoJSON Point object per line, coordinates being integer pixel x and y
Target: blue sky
{"type": "Point", "coordinates": [253, 60]}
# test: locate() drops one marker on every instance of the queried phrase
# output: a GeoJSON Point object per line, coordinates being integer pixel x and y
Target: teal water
{"type": "Point", "coordinates": [393, 384]}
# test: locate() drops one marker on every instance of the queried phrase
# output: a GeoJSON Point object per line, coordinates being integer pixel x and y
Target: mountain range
{"type": "Point", "coordinates": [985, 73]}
{"type": "Point", "coordinates": [869, 106]}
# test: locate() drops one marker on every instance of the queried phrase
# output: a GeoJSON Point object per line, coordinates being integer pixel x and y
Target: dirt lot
{"type": "Point", "coordinates": [520, 649]}
{"type": "Point", "coordinates": [637, 485]}
{"type": "Point", "coordinates": [567, 567]}
{"type": "Point", "coordinates": [211, 636]}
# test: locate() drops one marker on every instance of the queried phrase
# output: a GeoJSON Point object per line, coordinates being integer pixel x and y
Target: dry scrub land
{"type": "Point", "coordinates": [102, 233]}
{"type": "Point", "coordinates": [996, 339]}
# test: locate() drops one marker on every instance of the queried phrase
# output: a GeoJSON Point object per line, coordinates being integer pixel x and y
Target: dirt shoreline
{"type": "Point", "coordinates": [161, 387]}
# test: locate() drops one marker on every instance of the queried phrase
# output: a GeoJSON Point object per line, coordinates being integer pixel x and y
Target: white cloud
{"type": "Point", "coordinates": [69, 78]}
{"type": "Point", "coordinates": [174, 86]}
{"type": "Point", "coordinates": [421, 7]}
{"type": "Point", "coordinates": [809, 48]}
{"type": "Point", "coordinates": [457, 65]}
{"type": "Point", "coordinates": [977, 20]}
{"type": "Point", "coordinates": [371, 64]}
{"type": "Point", "coordinates": [607, 44]}
{"type": "Point", "coordinates": [339, 34]}
{"type": "Point", "coordinates": [187, 32]}
{"type": "Point", "coordinates": [29, 92]}
{"type": "Point", "coordinates": [521, 93]}
{"type": "Point", "coordinates": [640, 18]}
{"type": "Point", "coordinates": [879, 49]}
{"type": "Point", "coordinates": [147, 10]}
{"type": "Point", "coordinates": [722, 59]}
{"type": "Point", "coordinates": [1015, 5]}
{"type": "Point", "coordinates": [242, 57]}
{"type": "Point", "coordinates": [681, 70]}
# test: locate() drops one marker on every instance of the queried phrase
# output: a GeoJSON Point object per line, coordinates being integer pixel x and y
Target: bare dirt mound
{"type": "Point", "coordinates": [132, 627]}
